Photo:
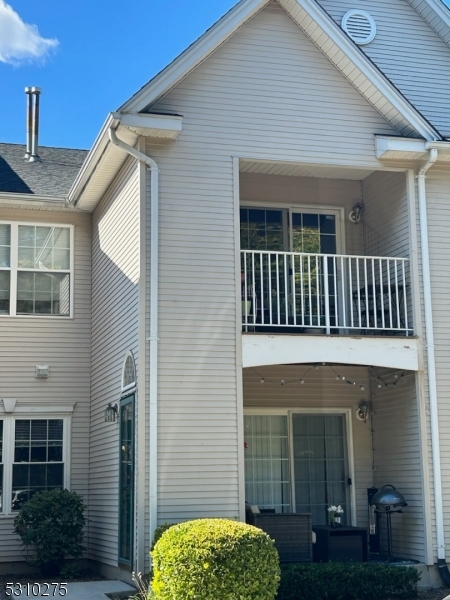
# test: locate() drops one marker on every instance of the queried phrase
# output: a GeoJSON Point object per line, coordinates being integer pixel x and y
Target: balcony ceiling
{"type": "Point", "coordinates": [304, 170]}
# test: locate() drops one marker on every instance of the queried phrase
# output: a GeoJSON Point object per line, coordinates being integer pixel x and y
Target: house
{"type": "Point", "coordinates": [247, 274]}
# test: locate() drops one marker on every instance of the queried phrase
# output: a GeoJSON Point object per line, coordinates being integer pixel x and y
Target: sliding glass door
{"type": "Point", "coordinates": [297, 462]}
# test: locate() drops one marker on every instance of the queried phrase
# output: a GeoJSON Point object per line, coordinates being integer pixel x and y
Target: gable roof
{"type": "Point", "coordinates": [51, 177]}
{"type": "Point", "coordinates": [348, 58]}
{"type": "Point", "coordinates": [436, 14]}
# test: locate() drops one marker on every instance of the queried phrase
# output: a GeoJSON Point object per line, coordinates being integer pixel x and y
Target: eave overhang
{"type": "Point", "coordinates": [104, 160]}
{"type": "Point", "coordinates": [405, 150]}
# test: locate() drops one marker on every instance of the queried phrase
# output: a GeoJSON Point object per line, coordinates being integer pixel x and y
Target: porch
{"type": "Point", "coordinates": [327, 253]}
{"type": "Point", "coordinates": [317, 435]}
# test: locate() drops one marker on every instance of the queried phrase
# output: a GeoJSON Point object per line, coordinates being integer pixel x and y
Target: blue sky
{"type": "Point", "coordinates": [105, 51]}
{"type": "Point", "coordinates": [89, 56]}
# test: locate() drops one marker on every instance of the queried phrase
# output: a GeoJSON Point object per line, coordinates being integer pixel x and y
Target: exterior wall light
{"type": "Point", "coordinates": [111, 413]}
{"type": "Point", "coordinates": [362, 412]}
{"type": "Point", "coordinates": [356, 213]}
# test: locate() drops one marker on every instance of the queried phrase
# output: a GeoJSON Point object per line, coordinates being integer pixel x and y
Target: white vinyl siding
{"type": "Point", "coordinates": [421, 67]}
{"type": "Point", "coordinates": [398, 460]}
{"type": "Point", "coordinates": [115, 265]}
{"type": "Point", "coordinates": [267, 93]}
{"type": "Point", "coordinates": [438, 209]}
{"type": "Point", "coordinates": [64, 345]}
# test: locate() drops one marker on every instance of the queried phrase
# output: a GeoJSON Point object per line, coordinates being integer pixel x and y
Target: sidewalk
{"type": "Point", "coordinates": [89, 590]}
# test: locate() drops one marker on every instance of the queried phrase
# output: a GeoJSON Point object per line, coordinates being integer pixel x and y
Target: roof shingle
{"type": "Point", "coordinates": [53, 176]}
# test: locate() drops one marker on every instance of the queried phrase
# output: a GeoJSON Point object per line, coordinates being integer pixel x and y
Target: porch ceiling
{"type": "Point", "coordinates": [303, 170]}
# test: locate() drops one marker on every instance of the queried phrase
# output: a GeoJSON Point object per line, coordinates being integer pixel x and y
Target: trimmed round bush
{"type": "Point", "coordinates": [215, 559]}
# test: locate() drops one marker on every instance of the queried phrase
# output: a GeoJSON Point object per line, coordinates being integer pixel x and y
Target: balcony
{"type": "Point", "coordinates": [293, 292]}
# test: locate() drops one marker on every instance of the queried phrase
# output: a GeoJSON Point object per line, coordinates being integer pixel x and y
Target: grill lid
{"type": "Point", "coordinates": [389, 496]}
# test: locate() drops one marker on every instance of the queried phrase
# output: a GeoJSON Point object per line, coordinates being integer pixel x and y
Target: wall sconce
{"type": "Point", "coordinates": [111, 413]}
{"type": "Point", "coordinates": [363, 411]}
{"type": "Point", "coordinates": [355, 214]}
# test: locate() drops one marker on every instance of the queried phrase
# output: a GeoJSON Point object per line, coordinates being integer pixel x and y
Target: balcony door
{"type": "Point", "coordinates": [282, 289]}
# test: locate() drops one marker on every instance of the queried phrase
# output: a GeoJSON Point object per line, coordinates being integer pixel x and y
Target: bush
{"type": "Point", "coordinates": [347, 581]}
{"type": "Point", "coordinates": [51, 528]}
{"type": "Point", "coordinates": [215, 559]}
{"type": "Point", "coordinates": [158, 533]}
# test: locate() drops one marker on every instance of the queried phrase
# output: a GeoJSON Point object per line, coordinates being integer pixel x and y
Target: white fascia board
{"type": "Point", "coordinates": [9, 198]}
{"type": "Point", "coordinates": [409, 149]}
{"type": "Point", "coordinates": [387, 147]}
{"type": "Point", "coordinates": [151, 125]}
{"type": "Point", "coordinates": [362, 62]}
{"type": "Point", "coordinates": [194, 55]}
{"type": "Point", "coordinates": [91, 161]}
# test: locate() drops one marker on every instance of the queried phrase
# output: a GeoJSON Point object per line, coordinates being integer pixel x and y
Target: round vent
{"type": "Point", "coordinates": [360, 26]}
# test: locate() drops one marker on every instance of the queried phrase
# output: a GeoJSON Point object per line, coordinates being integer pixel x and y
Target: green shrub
{"type": "Point", "coordinates": [215, 559]}
{"type": "Point", "coordinates": [51, 528]}
{"type": "Point", "coordinates": [347, 581]}
{"type": "Point", "coordinates": [158, 533]}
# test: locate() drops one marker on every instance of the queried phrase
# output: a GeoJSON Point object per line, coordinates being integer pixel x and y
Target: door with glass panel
{"type": "Point", "coordinates": [314, 276]}
{"type": "Point", "coordinates": [320, 465]}
{"type": "Point", "coordinates": [296, 463]}
{"type": "Point", "coordinates": [126, 481]}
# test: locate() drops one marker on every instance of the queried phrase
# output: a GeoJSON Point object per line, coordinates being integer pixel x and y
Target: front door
{"type": "Point", "coordinates": [126, 481]}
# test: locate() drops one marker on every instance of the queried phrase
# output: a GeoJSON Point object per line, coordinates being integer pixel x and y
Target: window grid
{"type": "Point", "coordinates": [5, 268]}
{"type": "Point", "coordinates": [38, 458]}
{"type": "Point", "coordinates": [129, 373]}
{"type": "Point", "coordinates": [267, 463]}
{"type": "Point", "coordinates": [40, 270]}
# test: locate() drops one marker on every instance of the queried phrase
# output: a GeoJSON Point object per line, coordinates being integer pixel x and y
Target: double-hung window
{"type": "Point", "coordinates": [32, 459]}
{"type": "Point", "coordinates": [36, 269]}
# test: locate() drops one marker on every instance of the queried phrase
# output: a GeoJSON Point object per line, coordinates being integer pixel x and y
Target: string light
{"type": "Point", "coordinates": [380, 383]}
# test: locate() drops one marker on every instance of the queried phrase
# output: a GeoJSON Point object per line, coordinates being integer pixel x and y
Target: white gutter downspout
{"type": "Point", "coordinates": [431, 363]}
{"type": "Point", "coordinates": [154, 295]}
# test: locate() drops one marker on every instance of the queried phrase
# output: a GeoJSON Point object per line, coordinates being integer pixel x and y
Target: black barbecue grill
{"type": "Point", "coordinates": [387, 502]}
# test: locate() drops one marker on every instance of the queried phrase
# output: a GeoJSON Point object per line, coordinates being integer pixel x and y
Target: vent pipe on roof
{"type": "Point", "coordinates": [29, 94]}
{"type": "Point", "coordinates": [33, 94]}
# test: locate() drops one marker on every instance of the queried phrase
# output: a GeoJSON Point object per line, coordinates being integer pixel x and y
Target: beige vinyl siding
{"type": "Point", "coordinates": [64, 345]}
{"type": "Point", "coordinates": [398, 459]}
{"type": "Point", "coordinates": [421, 67]}
{"type": "Point", "coordinates": [267, 93]}
{"type": "Point", "coordinates": [439, 246]}
{"type": "Point", "coordinates": [310, 192]}
{"type": "Point", "coordinates": [321, 391]}
{"type": "Point", "coordinates": [115, 272]}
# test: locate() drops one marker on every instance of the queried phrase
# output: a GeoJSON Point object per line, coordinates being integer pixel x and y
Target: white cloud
{"type": "Point", "coordinates": [19, 41]}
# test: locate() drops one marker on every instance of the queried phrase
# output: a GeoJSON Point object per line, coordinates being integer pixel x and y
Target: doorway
{"type": "Point", "coordinates": [126, 481]}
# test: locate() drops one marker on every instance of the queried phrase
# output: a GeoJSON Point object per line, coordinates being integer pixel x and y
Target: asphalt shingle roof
{"type": "Point", "coordinates": [53, 176]}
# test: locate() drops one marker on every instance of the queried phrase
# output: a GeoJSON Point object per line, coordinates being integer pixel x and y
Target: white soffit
{"type": "Point", "coordinates": [303, 170]}
{"type": "Point", "coordinates": [391, 352]}
{"type": "Point", "coordinates": [105, 159]}
{"type": "Point", "coordinates": [436, 14]}
{"type": "Point", "coordinates": [389, 148]}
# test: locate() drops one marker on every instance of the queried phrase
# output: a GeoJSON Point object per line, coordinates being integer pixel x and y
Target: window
{"type": "Point", "coordinates": [297, 462]}
{"type": "Point", "coordinates": [129, 373]}
{"type": "Point", "coordinates": [32, 459]}
{"type": "Point", "coordinates": [35, 269]}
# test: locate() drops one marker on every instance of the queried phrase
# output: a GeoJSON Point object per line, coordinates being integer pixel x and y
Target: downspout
{"type": "Point", "coordinates": [154, 294]}
{"type": "Point", "coordinates": [431, 363]}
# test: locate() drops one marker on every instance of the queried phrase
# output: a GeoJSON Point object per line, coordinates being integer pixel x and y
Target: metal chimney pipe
{"type": "Point", "coordinates": [28, 92]}
{"type": "Point", "coordinates": [35, 133]}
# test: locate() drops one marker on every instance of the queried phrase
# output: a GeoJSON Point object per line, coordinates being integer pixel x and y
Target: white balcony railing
{"type": "Point", "coordinates": [326, 292]}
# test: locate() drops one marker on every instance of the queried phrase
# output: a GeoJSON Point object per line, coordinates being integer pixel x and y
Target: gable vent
{"type": "Point", "coordinates": [360, 26]}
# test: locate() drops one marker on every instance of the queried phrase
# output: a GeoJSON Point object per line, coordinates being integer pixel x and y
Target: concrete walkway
{"type": "Point", "coordinates": [89, 590]}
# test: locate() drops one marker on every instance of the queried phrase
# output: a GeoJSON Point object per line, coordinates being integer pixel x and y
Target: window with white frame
{"type": "Point", "coordinates": [128, 373]}
{"type": "Point", "coordinates": [35, 269]}
{"type": "Point", "coordinates": [32, 457]}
